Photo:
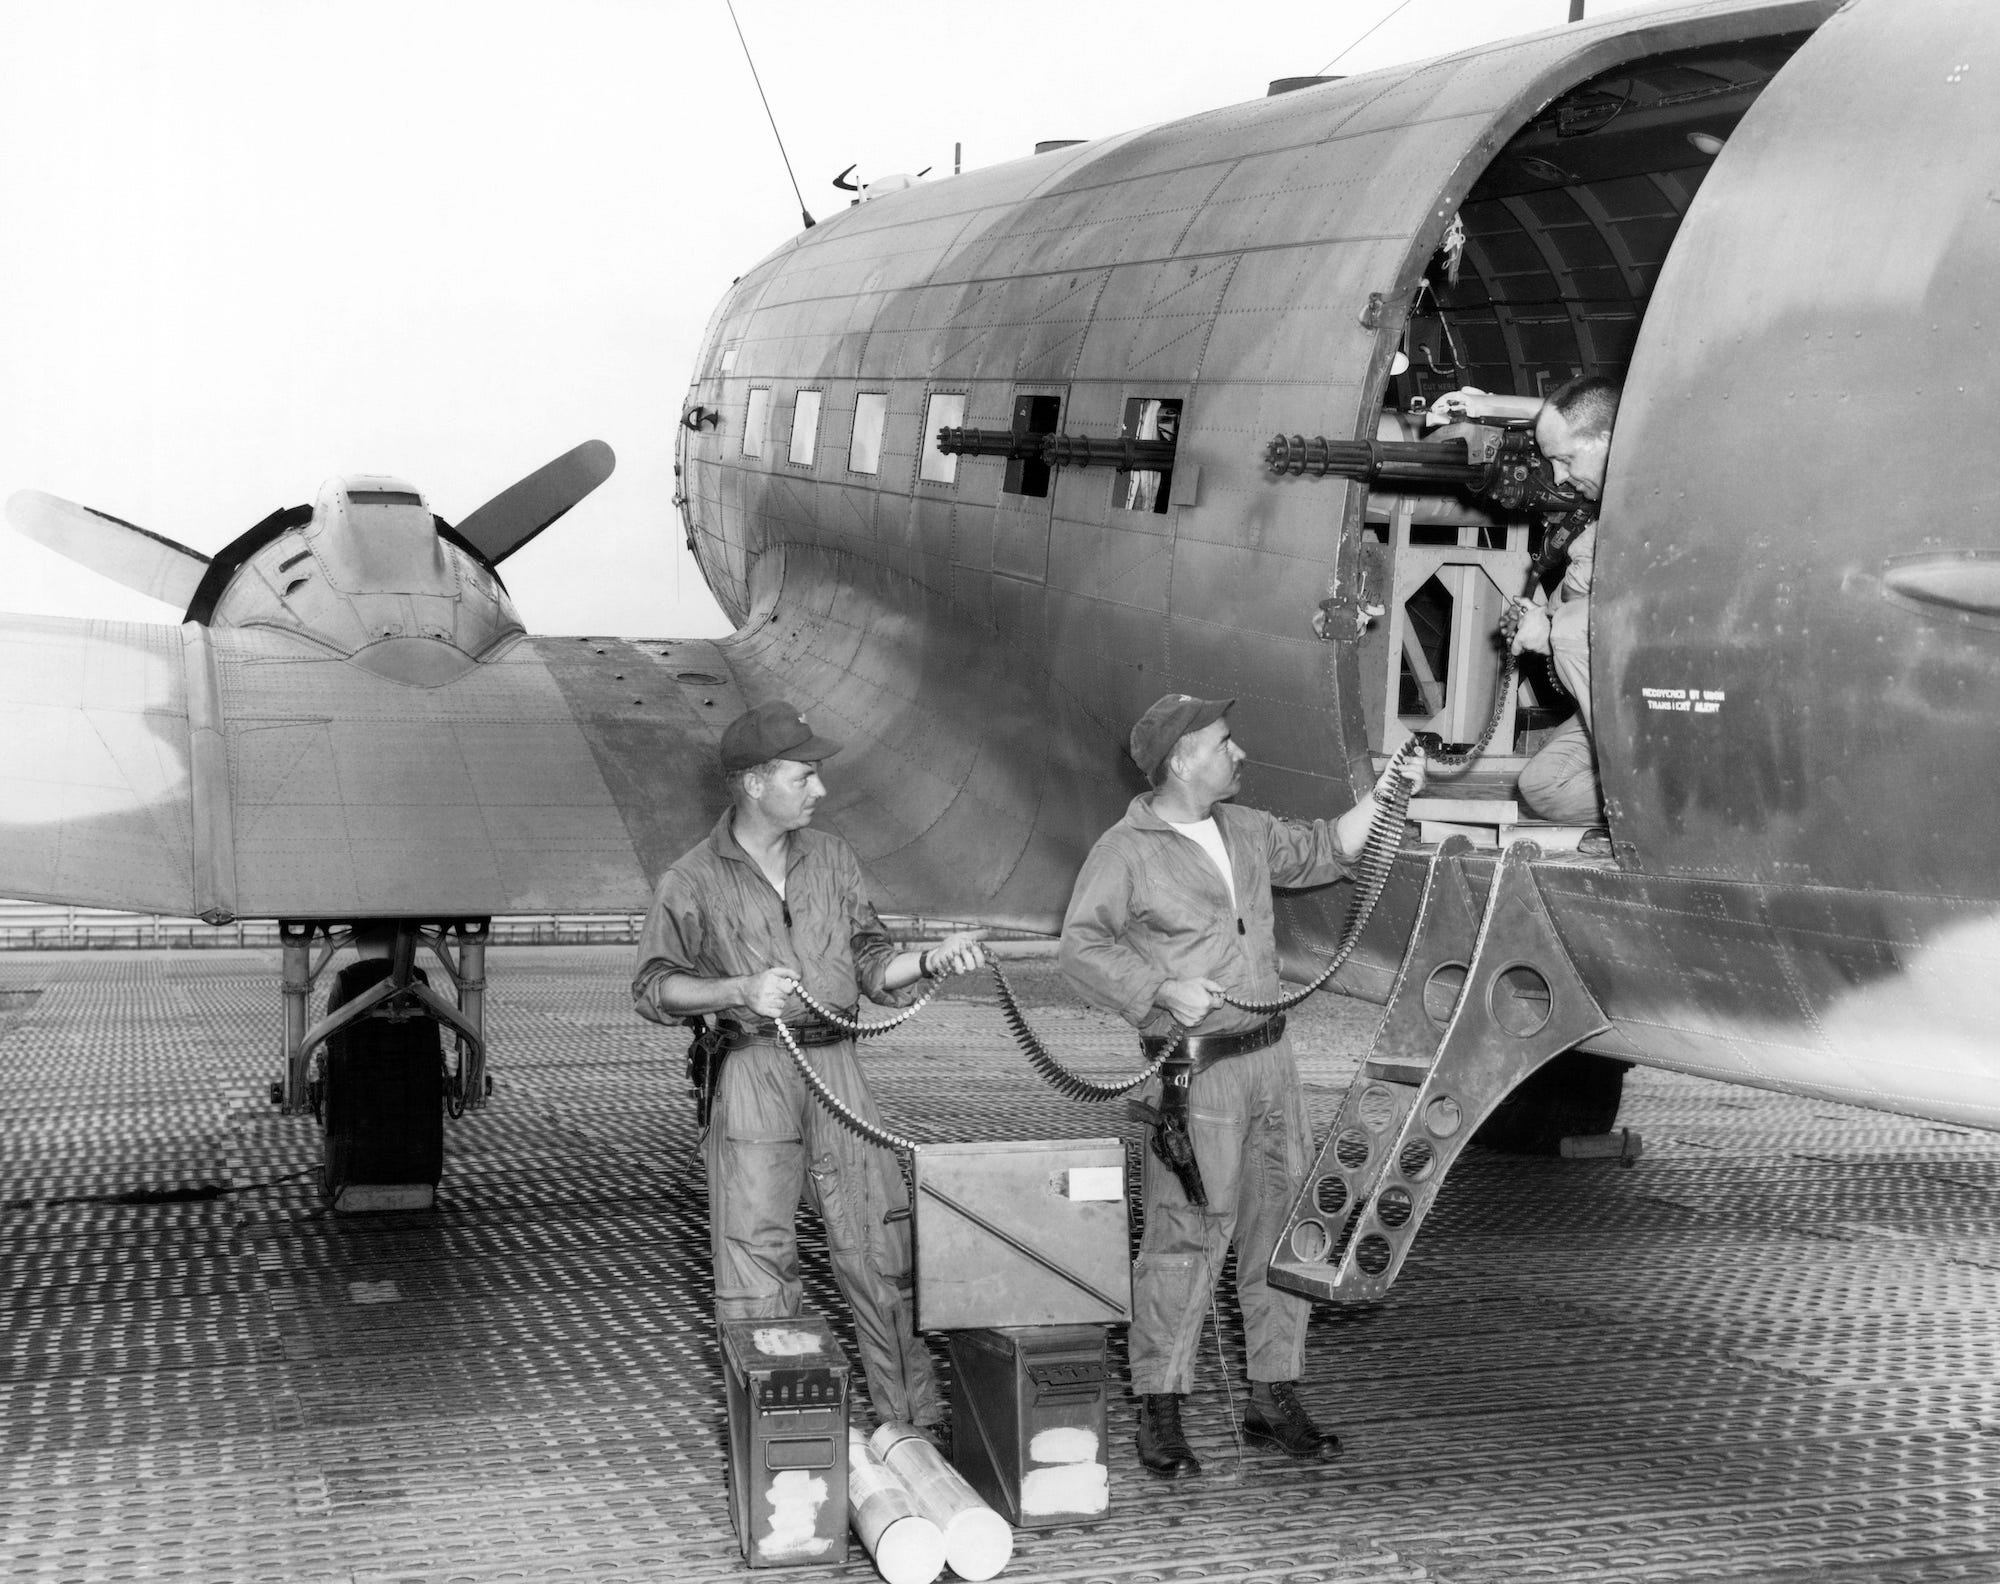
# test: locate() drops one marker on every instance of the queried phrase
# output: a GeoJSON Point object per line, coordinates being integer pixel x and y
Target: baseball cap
{"type": "Point", "coordinates": [772, 731]}
{"type": "Point", "coordinates": [1167, 722]}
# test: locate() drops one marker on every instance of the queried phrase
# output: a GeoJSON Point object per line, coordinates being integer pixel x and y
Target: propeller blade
{"type": "Point", "coordinates": [522, 510]}
{"type": "Point", "coordinates": [124, 552]}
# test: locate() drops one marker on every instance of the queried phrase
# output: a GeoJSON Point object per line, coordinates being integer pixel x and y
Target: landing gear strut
{"type": "Point", "coordinates": [371, 1069]}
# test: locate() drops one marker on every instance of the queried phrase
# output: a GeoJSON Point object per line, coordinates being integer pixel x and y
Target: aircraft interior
{"type": "Point", "coordinates": [1547, 274]}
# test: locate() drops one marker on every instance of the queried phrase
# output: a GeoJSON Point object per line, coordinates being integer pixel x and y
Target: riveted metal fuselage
{"type": "Point", "coordinates": [1794, 679]}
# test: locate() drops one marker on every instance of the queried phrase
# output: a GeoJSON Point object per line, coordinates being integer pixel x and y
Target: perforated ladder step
{"type": "Point", "coordinates": [1507, 998]}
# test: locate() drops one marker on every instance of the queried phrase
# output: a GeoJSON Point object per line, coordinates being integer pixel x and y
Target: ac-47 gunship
{"type": "Point", "coordinates": [982, 466]}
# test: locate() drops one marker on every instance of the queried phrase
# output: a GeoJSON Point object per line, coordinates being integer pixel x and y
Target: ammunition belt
{"type": "Point", "coordinates": [1204, 1050]}
{"type": "Point", "coordinates": [807, 1031]}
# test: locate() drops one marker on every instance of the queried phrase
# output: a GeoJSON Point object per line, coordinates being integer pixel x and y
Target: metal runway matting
{"type": "Point", "coordinates": [1767, 1351]}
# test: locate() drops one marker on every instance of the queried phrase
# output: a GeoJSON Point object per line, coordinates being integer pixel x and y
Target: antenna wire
{"type": "Point", "coordinates": [804, 213]}
{"type": "Point", "coordinates": [1352, 47]}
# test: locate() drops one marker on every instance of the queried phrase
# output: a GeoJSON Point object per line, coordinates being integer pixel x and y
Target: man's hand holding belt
{"type": "Point", "coordinates": [766, 993]}
{"type": "Point", "coordinates": [1526, 627]}
{"type": "Point", "coordinates": [1188, 1001]}
{"type": "Point", "coordinates": [957, 953]}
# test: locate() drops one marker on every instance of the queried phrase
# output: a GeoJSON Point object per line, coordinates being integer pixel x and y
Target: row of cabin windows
{"type": "Point", "coordinates": [864, 451]}
{"type": "Point", "coordinates": [1146, 418]}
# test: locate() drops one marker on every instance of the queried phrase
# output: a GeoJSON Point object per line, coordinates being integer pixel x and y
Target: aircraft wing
{"type": "Point", "coordinates": [250, 773]}
{"type": "Point", "coordinates": [94, 805]}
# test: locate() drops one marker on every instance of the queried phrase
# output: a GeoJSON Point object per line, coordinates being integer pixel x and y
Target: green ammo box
{"type": "Point", "coordinates": [1027, 1408]}
{"type": "Point", "coordinates": [1022, 1234]}
{"type": "Point", "coordinates": [786, 1382]}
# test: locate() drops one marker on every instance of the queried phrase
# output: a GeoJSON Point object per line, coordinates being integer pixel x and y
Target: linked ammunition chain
{"type": "Point", "coordinates": [1378, 857]}
{"type": "Point", "coordinates": [1459, 757]}
{"type": "Point", "coordinates": [858, 1029]}
{"type": "Point", "coordinates": [1072, 1086]}
{"type": "Point", "coordinates": [1562, 533]}
{"type": "Point", "coordinates": [1385, 831]}
{"type": "Point", "coordinates": [838, 1108]}
{"type": "Point", "coordinates": [1372, 870]}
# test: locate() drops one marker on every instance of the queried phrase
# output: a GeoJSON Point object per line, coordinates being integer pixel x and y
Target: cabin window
{"type": "Point", "coordinates": [728, 359]}
{"type": "Point", "coordinates": [756, 419]}
{"type": "Point", "coordinates": [805, 427]}
{"type": "Point", "coordinates": [864, 452]}
{"type": "Point", "coordinates": [1035, 415]}
{"type": "Point", "coordinates": [944, 410]}
{"type": "Point", "coordinates": [1147, 418]}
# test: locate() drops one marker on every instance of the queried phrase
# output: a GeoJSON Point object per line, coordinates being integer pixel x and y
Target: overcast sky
{"type": "Point", "coordinates": [252, 244]}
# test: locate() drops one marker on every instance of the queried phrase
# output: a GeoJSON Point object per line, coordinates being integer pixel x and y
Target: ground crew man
{"type": "Point", "coordinates": [1573, 430]}
{"type": "Point", "coordinates": [760, 907]}
{"type": "Point", "coordinates": [1172, 908]}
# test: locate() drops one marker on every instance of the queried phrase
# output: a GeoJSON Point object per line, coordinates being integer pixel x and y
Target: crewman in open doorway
{"type": "Point", "coordinates": [1573, 430]}
{"type": "Point", "coordinates": [1173, 909]}
{"type": "Point", "coordinates": [758, 908]}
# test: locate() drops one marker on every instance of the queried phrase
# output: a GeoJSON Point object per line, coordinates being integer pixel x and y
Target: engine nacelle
{"type": "Point", "coordinates": [371, 574]}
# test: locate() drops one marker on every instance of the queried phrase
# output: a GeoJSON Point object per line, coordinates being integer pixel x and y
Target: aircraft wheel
{"type": "Point", "coordinates": [383, 1105]}
{"type": "Point", "coordinates": [1575, 1093]}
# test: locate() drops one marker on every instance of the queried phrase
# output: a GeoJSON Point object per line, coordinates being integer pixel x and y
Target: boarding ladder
{"type": "Point", "coordinates": [1486, 993]}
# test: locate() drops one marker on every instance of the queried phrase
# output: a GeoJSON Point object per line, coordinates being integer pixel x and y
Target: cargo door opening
{"type": "Point", "coordinates": [1544, 275]}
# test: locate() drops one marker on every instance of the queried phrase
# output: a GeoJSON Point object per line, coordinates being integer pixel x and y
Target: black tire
{"type": "Point", "coordinates": [384, 1099]}
{"type": "Point", "coordinates": [1574, 1093]}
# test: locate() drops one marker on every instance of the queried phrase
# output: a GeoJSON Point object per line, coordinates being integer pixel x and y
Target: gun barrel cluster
{"type": "Point", "coordinates": [1058, 450]}
{"type": "Point", "coordinates": [1434, 464]}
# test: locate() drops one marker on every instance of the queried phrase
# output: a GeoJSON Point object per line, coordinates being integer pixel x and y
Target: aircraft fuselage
{"type": "Point", "coordinates": [1794, 629]}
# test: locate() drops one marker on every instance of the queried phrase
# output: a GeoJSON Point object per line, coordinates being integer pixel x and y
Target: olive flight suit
{"type": "Point", "coordinates": [1151, 906]}
{"type": "Point", "coordinates": [715, 916]}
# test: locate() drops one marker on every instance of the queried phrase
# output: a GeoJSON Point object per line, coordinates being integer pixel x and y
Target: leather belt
{"type": "Point", "coordinates": [807, 1031]}
{"type": "Point", "coordinates": [1205, 1049]}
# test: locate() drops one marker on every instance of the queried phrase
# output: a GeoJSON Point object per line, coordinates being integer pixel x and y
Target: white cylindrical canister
{"type": "Point", "coordinates": [978, 1542]}
{"type": "Point", "coordinates": [907, 1547]}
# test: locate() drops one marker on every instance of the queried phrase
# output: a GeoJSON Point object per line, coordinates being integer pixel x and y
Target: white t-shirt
{"type": "Point", "coordinates": [1206, 835]}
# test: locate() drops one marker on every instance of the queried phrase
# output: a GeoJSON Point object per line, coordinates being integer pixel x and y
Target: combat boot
{"type": "Point", "coordinates": [1163, 1447]}
{"type": "Point", "coordinates": [1285, 1424]}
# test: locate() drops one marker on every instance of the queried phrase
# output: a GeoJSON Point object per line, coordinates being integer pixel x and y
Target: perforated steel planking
{"type": "Point", "coordinates": [1766, 1348]}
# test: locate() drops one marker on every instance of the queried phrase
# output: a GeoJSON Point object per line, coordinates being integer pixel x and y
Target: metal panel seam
{"type": "Point", "coordinates": [212, 824]}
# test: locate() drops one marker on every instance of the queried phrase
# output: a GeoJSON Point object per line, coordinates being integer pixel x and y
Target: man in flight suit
{"type": "Point", "coordinates": [1573, 430]}
{"type": "Point", "coordinates": [1172, 908]}
{"type": "Point", "coordinates": [761, 906]}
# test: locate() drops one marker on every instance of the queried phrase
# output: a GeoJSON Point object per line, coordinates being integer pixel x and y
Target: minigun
{"type": "Point", "coordinates": [1497, 464]}
{"type": "Point", "coordinates": [1058, 450]}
